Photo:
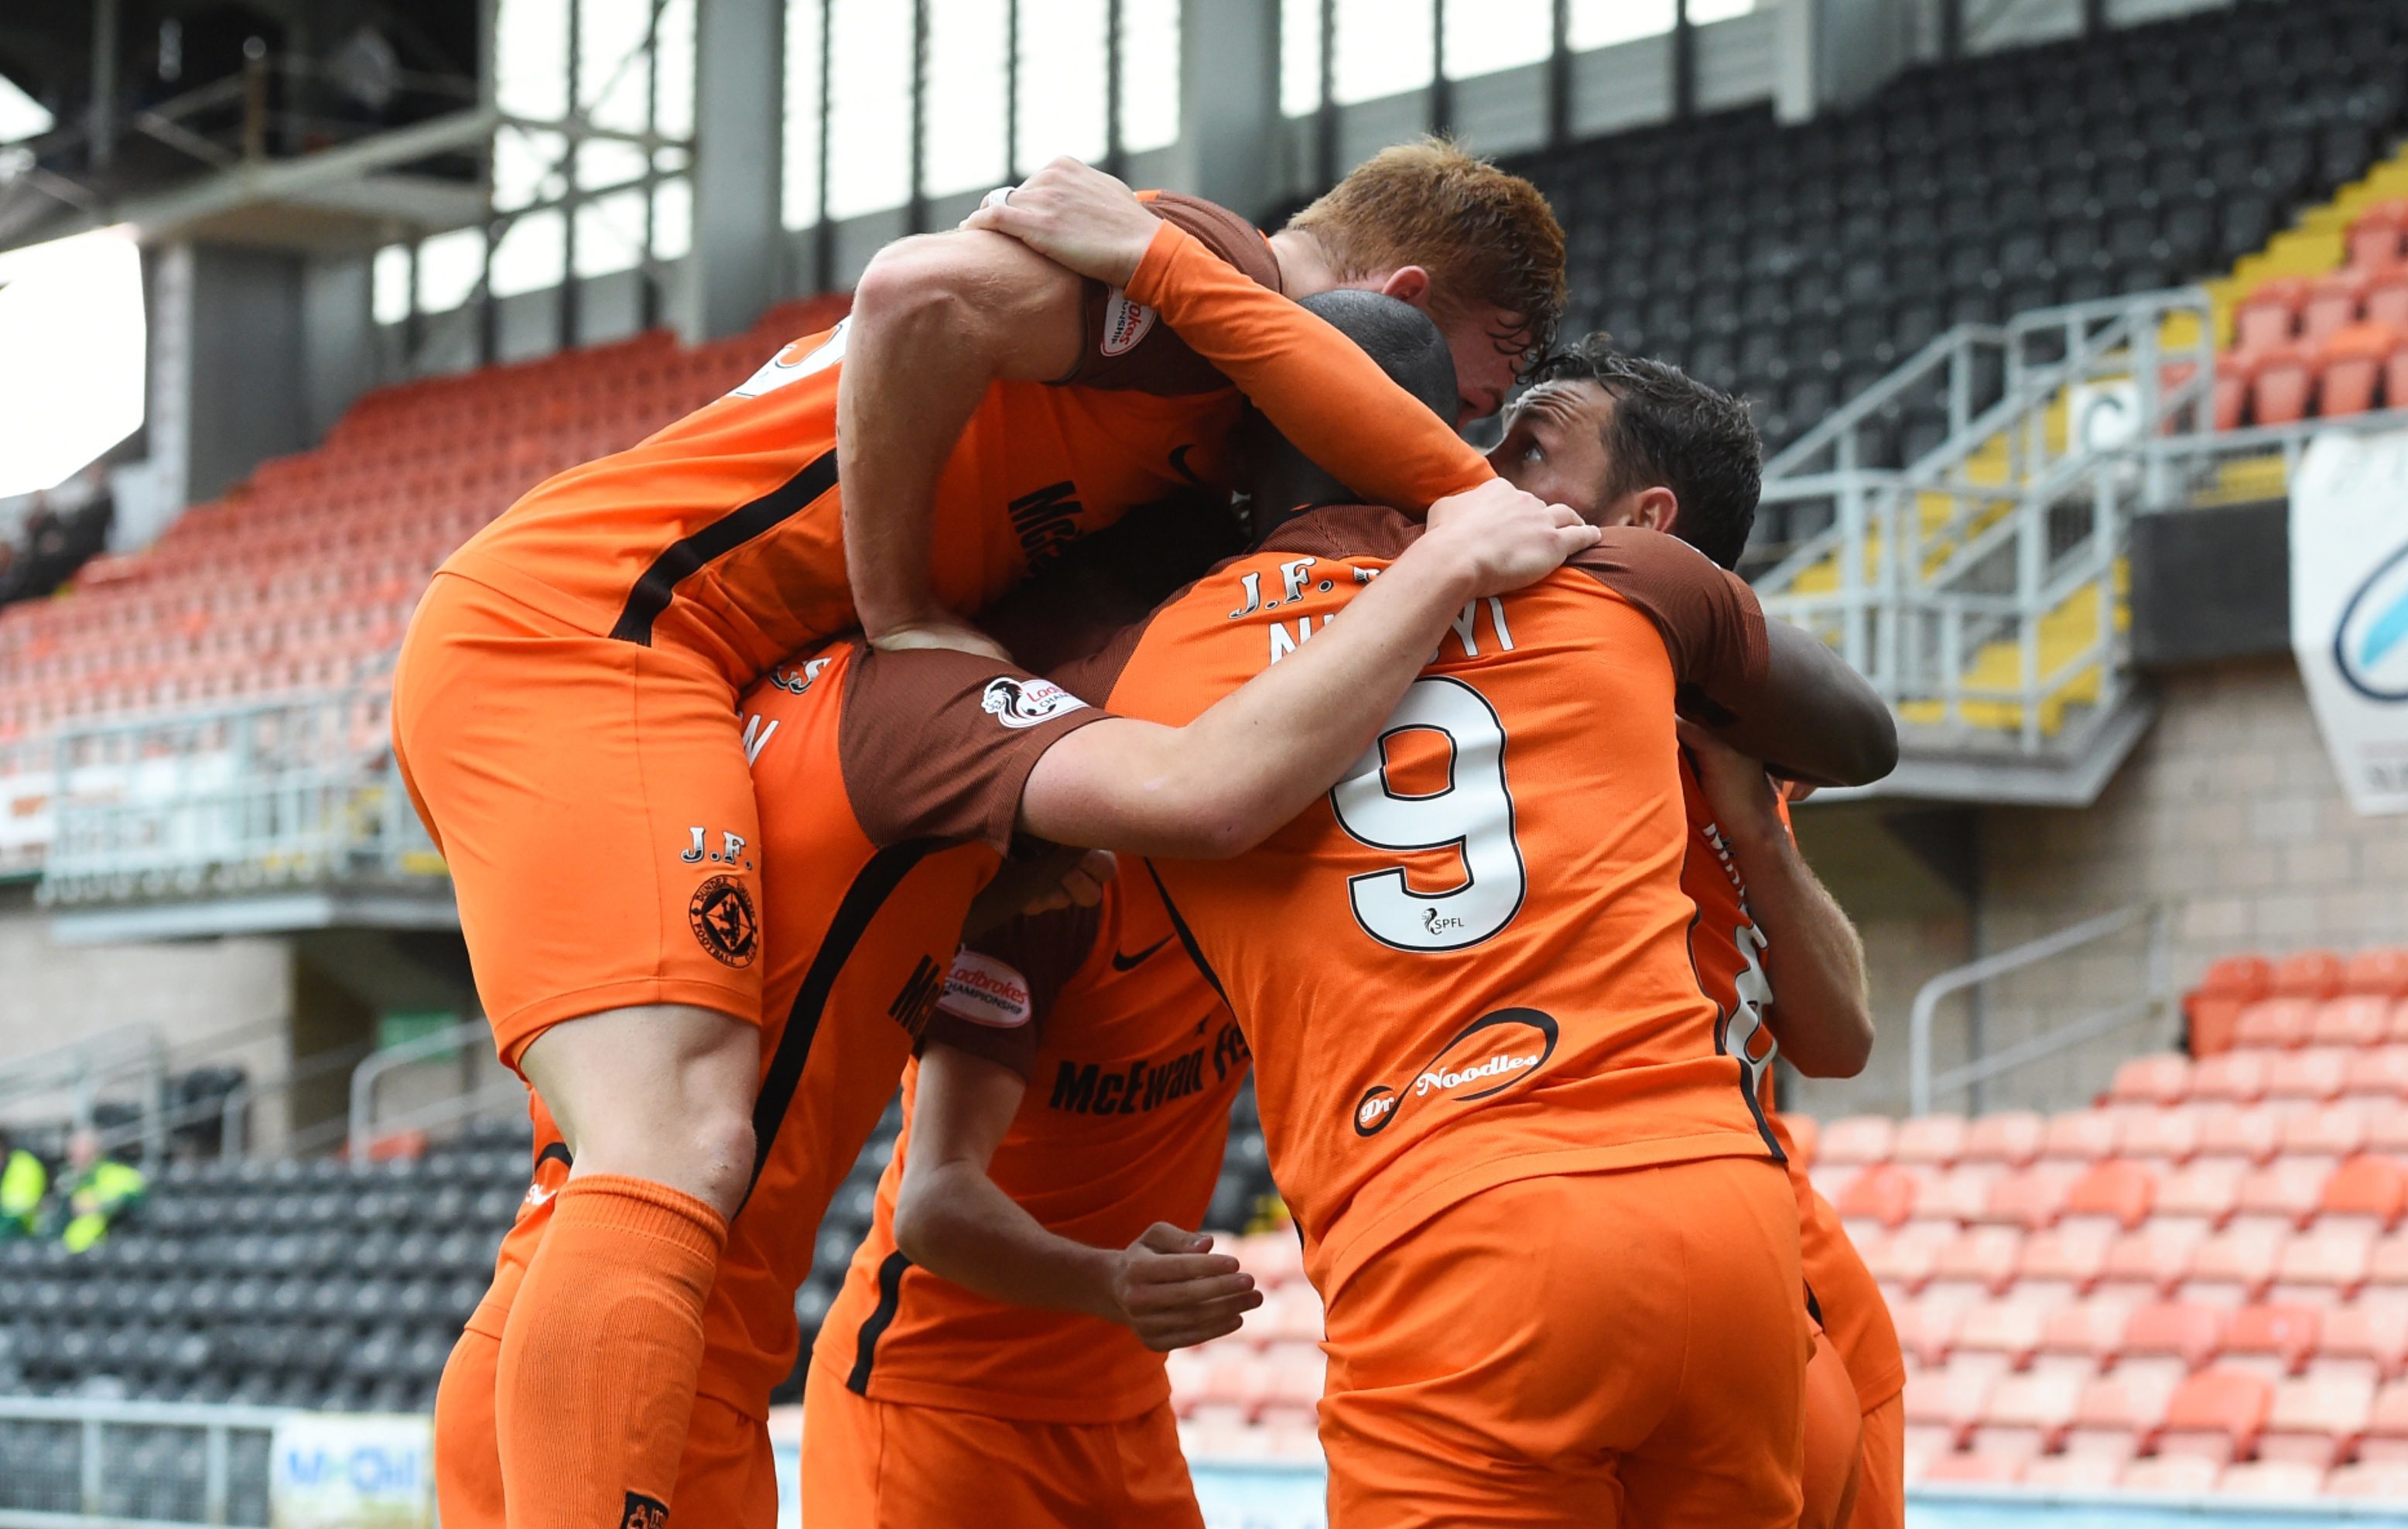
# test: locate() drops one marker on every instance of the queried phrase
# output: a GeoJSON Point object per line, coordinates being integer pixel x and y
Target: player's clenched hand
{"type": "Point", "coordinates": [1745, 800]}
{"type": "Point", "coordinates": [1075, 215]}
{"type": "Point", "coordinates": [1079, 885]}
{"type": "Point", "coordinates": [1505, 539]}
{"type": "Point", "coordinates": [1172, 1290]}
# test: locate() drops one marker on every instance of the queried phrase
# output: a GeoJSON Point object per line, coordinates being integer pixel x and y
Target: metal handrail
{"type": "Point", "coordinates": [233, 1110]}
{"type": "Point", "coordinates": [361, 1133]}
{"type": "Point", "coordinates": [2157, 990]}
{"type": "Point", "coordinates": [467, 1105]}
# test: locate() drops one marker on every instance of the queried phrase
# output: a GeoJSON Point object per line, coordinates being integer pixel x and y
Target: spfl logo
{"type": "Point", "coordinates": [1486, 1057]}
{"type": "Point", "coordinates": [1025, 703]}
{"type": "Point", "coordinates": [2370, 643]}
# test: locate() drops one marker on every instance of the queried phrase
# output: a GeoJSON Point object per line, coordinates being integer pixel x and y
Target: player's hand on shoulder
{"type": "Point", "coordinates": [1174, 1292]}
{"type": "Point", "coordinates": [1504, 538]}
{"type": "Point", "coordinates": [956, 636]}
{"type": "Point", "coordinates": [1075, 215]}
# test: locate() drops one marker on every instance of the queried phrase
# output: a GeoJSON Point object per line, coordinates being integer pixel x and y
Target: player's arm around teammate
{"type": "Point", "coordinates": [1168, 1287]}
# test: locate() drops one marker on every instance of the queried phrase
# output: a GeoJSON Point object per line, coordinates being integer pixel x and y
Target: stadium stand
{"type": "Point", "coordinates": [2198, 1282]}
{"type": "Point", "coordinates": [1797, 264]}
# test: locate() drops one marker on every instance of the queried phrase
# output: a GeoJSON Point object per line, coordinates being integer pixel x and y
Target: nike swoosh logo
{"type": "Point", "coordinates": [1130, 962]}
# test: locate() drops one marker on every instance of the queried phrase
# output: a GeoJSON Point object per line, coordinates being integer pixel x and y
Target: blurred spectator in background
{"type": "Point", "coordinates": [51, 544]}
{"type": "Point", "coordinates": [23, 1181]}
{"type": "Point", "coordinates": [94, 1193]}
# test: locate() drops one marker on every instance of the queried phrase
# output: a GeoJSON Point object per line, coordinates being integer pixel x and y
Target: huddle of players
{"type": "Point", "coordinates": [1477, 921]}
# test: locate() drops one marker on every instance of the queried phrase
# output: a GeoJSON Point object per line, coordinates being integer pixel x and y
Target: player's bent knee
{"type": "Point", "coordinates": [662, 1094]}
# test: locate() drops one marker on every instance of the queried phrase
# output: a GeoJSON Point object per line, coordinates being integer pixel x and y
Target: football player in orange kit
{"type": "Point", "coordinates": [565, 717]}
{"type": "Point", "coordinates": [1467, 986]}
{"type": "Point", "coordinates": [891, 783]}
{"type": "Point", "coordinates": [1629, 441]}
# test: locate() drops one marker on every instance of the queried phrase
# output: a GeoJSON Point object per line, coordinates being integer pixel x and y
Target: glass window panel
{"type": "Point", "coordinates": [1702, 11]}
{"type": "Point", "coordinates": [391, 299]}
{"type": "Point", "coordinates": [20, 115]}
{"type": "Point", "coordinates": [675, 105]}
{"type": "Point", "coordinates": [1598, 23]}
{"type": "Point", "coordinates": [449, 266]}
{"type": "Point", "coordinates": [531, 58]}
{"type": "Point", "coordinates": [869, 108]}
{"type": "Point", "coordinates": [1384, 48]}
{"type": "Point", "coordinates": [608, 162]}
{"type": "Point", "coordinates": [970, 54]}
{"type": "Point", "coordinates": [1301, 56]}
{"type": "Point", "coordinates": [532, 255]}
{"type": "Point", "coordinates": [527, 167]}
{"type": "Point", "coordinates": [672, 219]}
{"type": "Point", "coordinates": [1149, 74]}
{"type": "Point", "coordinates": [1062, 69]}
{"type": "Point", "coordinates": [801, 199]}
{"type": "Point", "coordinates": [611, 232]}
{"type": "Point", "coordinates": [1485, 36]}
{"type": "Point", "coordinates": [614, 71]}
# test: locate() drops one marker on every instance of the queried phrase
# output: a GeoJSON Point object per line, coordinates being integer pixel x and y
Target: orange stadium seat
{"type": "Point", "coordinates": [2175, 1475]}
{"type": "Point", "coordinates": [2307, 973]}
{"type": "Point", "coordinates": [2081, 1136]}
{"type": "Point", "coordinates": [2205, 1191]}
{"type": "Point", "coordinates": [2233, 1266]}
{"type": "Point", "coordinates": [2169, 1137]}
{"type": "Point", "coordinates": [2083, 1473]}
{"type": "Point", "coordinates": [2353, 1020]}
{"type": "Point", "coordinates": [2379, 239]}
{"type": "Point", "coordinates": [2114, 1193]}
{"type": "Point", "coordinates": [2271, 1480]}
{"type": "Point", "coordinates": [2369, 1479]}
{"type": "Point", "coordinates": [2271, 1340]}
{"type": "Point", "coordinates": [2364, 1341]}
{"type": "Point", "coordinates": [2152, 1259]}
{"type": "Point", "coordinates": [2322, 1268]}
{"type": "Point", "coordinates": [2031, 1199]}
{"type": "Point", "coordinates": [2216, 1413]}
{"type": "Point", "coordinates": [1948, 1399]}
{"type": "Point", "coordinates": [1955, 1194]}
{"type": "Point", "coordinates": [2381, 1073]}
{"type": "Point", "coordinates": [2285, 1193]}
{"type": "Point", "coordinates": [2173, 1337]}
{"type": "Point", "coordinates": [2211, 1032]}
{"type": "Point", "coordinates": [2162, 1079]}
{"type": "Point", "coordinates": [2334, 302]}
{"type": "Point", "coordinates": [1974, 1469]}
{"type": "Point", "coordinates": [2317, 1422]}
{"type": "Point", "coordinates": [2372, 1190]}
{"type": "Point", "coordinates": [2013, 1136]}
{"type": "Point", "coordinates": [2084, 1336]}
{"type": "Point", "coordinates": [2027, 1415]}
{"type": "Point", "coordinates": [1936, 1140]}
{"type": "Point", "coordinates": [1925, 1332]}
{"type": "Point", "coordinates": [2274, 1022]}
{"type": "Point", "coordinates": [2235, 1133]}
{"type": "Point", "coordinates": [2349, 363]}
{"type": "Point", "coordinates": [2062, 1260]}
{"type": "Point", "coordinates": [2314, 1072]}
{"type": "Point", "coordinates": [2386, 298]}
{"type": "Point", "coordinates": [2387, 1268]}
{"type": "Point", "coordinates": [2011, 1330]}
{"type": "Point", "coordinates": [1980, 1257]}
{"type": "Point", "coordinates": [2269, 316]}
{"type": "Point", "coordinates": [1883, 1194]}
{"type": "Point", "coordinates": [2381, 971]}
{"type": "Point", "coordinates": [1858, 1139]}
{"type": "Point", "coordinates": [2230, 1077]}
{"type": "Point", "coordinates": [2394, 386]}
{"type": "Point", "coordinates": [1805, 1137]}
{"type": "Point", "coordinates": [1273, 1258]}
{"type": "Point", "coordinates": [2118, 1414]}
{"type": "Point", "coordinates": [2386, 1439]}
{"type": "Point", "coordinates": [2328, 1134]}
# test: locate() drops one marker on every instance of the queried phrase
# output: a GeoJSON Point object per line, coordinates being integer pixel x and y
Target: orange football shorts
{"type": "Point", "coordinates": [871, 1464]}
{"type": "Point", "coordinates": [1591, 1349]}
{"type": "Point", "coordinates": [590, 798]}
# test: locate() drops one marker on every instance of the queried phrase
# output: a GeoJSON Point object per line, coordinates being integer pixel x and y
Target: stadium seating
{"type": "Point", "coordinates": [2214, 1295]}
{"type": "Point", "coordinates": [1799, 264]}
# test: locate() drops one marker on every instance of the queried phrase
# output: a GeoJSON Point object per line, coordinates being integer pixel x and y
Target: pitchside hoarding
{"type": "Point", "coordinates": [2349, 607]}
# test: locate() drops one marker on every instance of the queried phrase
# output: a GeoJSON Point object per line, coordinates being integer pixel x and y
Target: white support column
{"type": "Point", "coordinates": [739, 96]}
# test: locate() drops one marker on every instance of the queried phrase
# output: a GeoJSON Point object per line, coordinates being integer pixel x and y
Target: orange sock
{"type": "Point", "coordinates": [601, 1355]}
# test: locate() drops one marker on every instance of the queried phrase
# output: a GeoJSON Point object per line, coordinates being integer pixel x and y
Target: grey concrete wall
{"type": "Point", "coordinates": [2228, 815]}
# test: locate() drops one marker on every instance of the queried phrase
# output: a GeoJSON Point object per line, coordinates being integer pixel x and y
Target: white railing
{"type": "Point", "coordinates": [2156, 996]}
{"type": "Point", "coordinates": [112, 1464]}
{"type": "Point", "coordinates": [1984, 538]}
{"type": "Point", "coordinates": [276, 795]}
{"type": "Point", "coordinates": [505, 1094]}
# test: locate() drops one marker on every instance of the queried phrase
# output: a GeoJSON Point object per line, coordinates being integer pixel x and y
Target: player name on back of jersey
{"type": "Point", "coordinates": [1298, 580]}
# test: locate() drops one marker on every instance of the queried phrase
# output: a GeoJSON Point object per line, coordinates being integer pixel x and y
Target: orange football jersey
{"type": "Point", "coordinates": [1132, 1062]}
{"type": "Point", "coordinates": [1467, 963]}
{"type": "Point", "coordinates": [720, 533]}
{"type": "Point", "coordinates": [1727, 946]}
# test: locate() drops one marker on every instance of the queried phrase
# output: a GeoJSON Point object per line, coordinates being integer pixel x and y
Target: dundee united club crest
{"type": "Point", "coordinates": [722, 919]}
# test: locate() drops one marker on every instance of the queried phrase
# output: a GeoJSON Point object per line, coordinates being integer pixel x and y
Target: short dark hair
{"type": "Point", "coordinates": [1671, 431]}
{"type": "Point", "coordinates": [1399, 336]}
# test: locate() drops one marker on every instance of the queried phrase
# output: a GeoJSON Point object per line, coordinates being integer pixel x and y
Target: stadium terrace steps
{"type": "Point", "coordinates": [2198, 1283]}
